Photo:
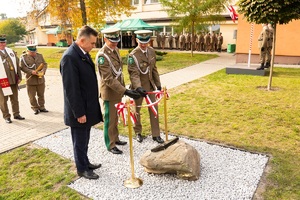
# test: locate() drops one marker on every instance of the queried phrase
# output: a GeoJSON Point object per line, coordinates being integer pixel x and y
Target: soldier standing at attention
{"type": "Point", "coordinates": [170, 41]}
{"type": "Point", "coordinates": [262, 45]}
{"type": "Point", "coordinates": [112, 87]}
{"type": "Point", "coordinates": [144, 78]}
{"type": "Point", "coordinates": [270, 45]}
{"type": "Point", "coordinates": [176, 38]}
{"type": "Point", "coordinates": [220, 42]}
{"type": "Point", "coordinates": [158, 40]}
{"type": "Point", "coordinates": [163, 40]}
{"type": "Point", "coordinates": [201, 41]}
{"type": "Point", "coordinates": [207, 42]}
{"type": "Point", "coordinates": [10, 75]}
{"type": "Point", "coordinates": [213, 42]}
{"type": "Point", "coordinates": [34, 65]}
{"type": "Point", "coordinates": [197, 42]}
{"type": "Point", "coordinates": [181, 41]}
{"type": "Point", "coordinates": [187, 41]}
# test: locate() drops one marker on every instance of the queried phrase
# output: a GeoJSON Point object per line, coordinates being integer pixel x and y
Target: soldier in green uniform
{"type": "Point", "coordinates": [220, 42]}
{"type": "Point", "coordinates": [262, 46]}
{"type": "Point", "coordinates": [270, 45]}
{"type": "Point", "coordinates": [112, 87]}
{"type": "Point", "coordinates": [10, 77]}
{"type": "Point", "coordinates": [34, 66]}
{"type": "Point", "coordinates": [144, 78]}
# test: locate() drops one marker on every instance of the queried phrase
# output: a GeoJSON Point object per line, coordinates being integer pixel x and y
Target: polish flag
{"type": "Point", "coordinates": [234, 16]}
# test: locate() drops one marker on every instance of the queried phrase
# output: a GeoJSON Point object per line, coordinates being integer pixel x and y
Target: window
{"type": "Point", "coordinates": [134, 2]}
{"type": "Point", "coordinates": [150, 1]}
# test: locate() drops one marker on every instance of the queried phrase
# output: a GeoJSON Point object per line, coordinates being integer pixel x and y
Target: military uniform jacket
{"type": "Point", "coordinates": [142, 69]}
{"type": "Point", "coordinates": [220, 39]}
{"type": "Point", "coordinates": [29, 64]}
{"type": "Point", "coordinates": [270, 39]}
{"type": "Point", "coordinates": [263, 38]}
{"type": "Point", "coordinates": [182, 38]}
{"type": "Point", "coordinates": [13, 72]}
{"type": "Point", "coordinates": [112, 86]}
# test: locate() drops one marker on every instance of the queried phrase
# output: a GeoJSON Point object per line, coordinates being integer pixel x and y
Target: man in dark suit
{"type": "Point", "coordinates": [81, 97]}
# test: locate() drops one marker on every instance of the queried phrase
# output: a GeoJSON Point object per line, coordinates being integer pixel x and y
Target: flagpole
{"type": "Point", "coordinates": [250, 45]}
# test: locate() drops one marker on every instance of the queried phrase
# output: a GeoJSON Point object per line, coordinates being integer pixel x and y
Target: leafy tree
{"type": "Point", "coordinates": [13, 29]}
{"type": "Point", "coordinates": [192, 13]}
{"type": "Point", "coordinates": [270, 11]}
{"type": "Point", "coordinates": [85, 12]}
{"type": "Point", "coordinates": [3, 16]}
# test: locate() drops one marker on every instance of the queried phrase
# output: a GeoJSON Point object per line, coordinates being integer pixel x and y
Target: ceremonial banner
{"type": "Point", "coordinates": [4, 83]}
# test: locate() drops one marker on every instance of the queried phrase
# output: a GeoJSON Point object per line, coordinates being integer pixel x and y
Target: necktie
{"type": "Point", "coordinates": [87, 56]}
{"type": "Point", "coordinates": [115, 52]}
{"type": "Point", "coordinates": [145, 54]}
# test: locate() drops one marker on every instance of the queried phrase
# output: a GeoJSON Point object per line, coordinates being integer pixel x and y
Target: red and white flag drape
{"type": "Point", "coordinates": [123, 113]}
{"type": "Point", "coordinates": [233, 14]}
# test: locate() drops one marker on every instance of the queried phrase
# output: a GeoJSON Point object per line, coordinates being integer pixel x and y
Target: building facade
{"type": "Point", "coordinates": [287, 49]}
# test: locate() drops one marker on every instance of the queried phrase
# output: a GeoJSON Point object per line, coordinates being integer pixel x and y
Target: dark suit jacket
{"type": "Point", "coordinates": [81, 95]}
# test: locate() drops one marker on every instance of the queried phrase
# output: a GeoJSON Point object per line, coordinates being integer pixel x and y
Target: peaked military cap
{"type": "Point", "coordinates": [31, 47]}
{"type": "Point", "coordinates": [143, 36]}
{"type": "Point", "coordinates": [2, 38]}
{"type": "Point", "coordinates": [112, 34]}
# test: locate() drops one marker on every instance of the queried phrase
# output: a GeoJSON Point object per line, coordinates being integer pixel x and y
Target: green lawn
{"type": "Point", "coordinates": [236, 110]}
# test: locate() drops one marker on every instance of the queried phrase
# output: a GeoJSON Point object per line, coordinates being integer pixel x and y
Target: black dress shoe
{"type": "Point", "coordinates": [44, 110]}
{"type": "Point", "coordinates": [91, 166]}
{"type": "Point", "coordinates": [115, 150]}
{"type": "Point", "coordinates": [121, 143]}
{"type": "Point", "coordinates": [158, 139]}
{"type": "Point", "coordinates": [19, 117]}
{"type": "Point", "coordinates": [88, 174]}
{"type": "Point", "coordinates": [8, 120]}
{"type": "Point", "coordinates": [139, 138]}
{"type": "Point", "coordinates": [36, 112]}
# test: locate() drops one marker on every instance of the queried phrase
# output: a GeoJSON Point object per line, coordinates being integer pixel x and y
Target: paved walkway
{"type": "Point", "coordinates": [35, 127]}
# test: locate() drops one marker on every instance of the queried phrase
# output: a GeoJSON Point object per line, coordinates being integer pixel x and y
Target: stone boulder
{"type": "Point", "coordinates": [180, 158]}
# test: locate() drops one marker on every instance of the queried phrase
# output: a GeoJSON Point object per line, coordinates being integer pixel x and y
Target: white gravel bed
{"type": "Point", "coordinates": [225, 173]}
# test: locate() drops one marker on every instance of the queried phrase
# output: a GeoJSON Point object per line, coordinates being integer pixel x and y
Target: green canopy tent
{"type": "Point", "coordinates": [132, 25]}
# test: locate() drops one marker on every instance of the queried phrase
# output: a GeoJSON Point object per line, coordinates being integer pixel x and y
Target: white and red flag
{"type": "Point", "coordinates": [234, 16]}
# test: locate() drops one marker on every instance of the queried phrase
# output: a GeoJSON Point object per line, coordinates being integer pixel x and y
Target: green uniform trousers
{"type": "Point", "coordinates": [154, 121]}
{"type": "Point", "coordinates": [36, 91]}
{"type": "Point", "coordinates": [111, 132]}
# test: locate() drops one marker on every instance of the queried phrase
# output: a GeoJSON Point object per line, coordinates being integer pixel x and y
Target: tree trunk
{"type": "Point", "coordinates": [272, 58]}
{"type": "Point", "coordinates": [83, 12]}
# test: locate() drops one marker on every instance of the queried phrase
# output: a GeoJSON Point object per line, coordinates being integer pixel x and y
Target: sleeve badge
{"type": "Point", "coordinates": [101, 60]}
{"type": "Point", "coordinates": [130, 61]}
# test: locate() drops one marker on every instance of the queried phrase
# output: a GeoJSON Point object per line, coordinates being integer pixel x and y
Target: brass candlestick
{"type": "Point", "coordinates": [133, 182]}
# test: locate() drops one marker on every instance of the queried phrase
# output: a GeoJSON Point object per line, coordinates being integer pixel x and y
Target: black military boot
{"type": "Point", "coordinates": [261, 67]}
{"type": "Point", "coordinates": [267, 65]}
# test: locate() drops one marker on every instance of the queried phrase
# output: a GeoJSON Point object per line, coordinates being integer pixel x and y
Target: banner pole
{"type": "Point", "coordinates": [133, 182]}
